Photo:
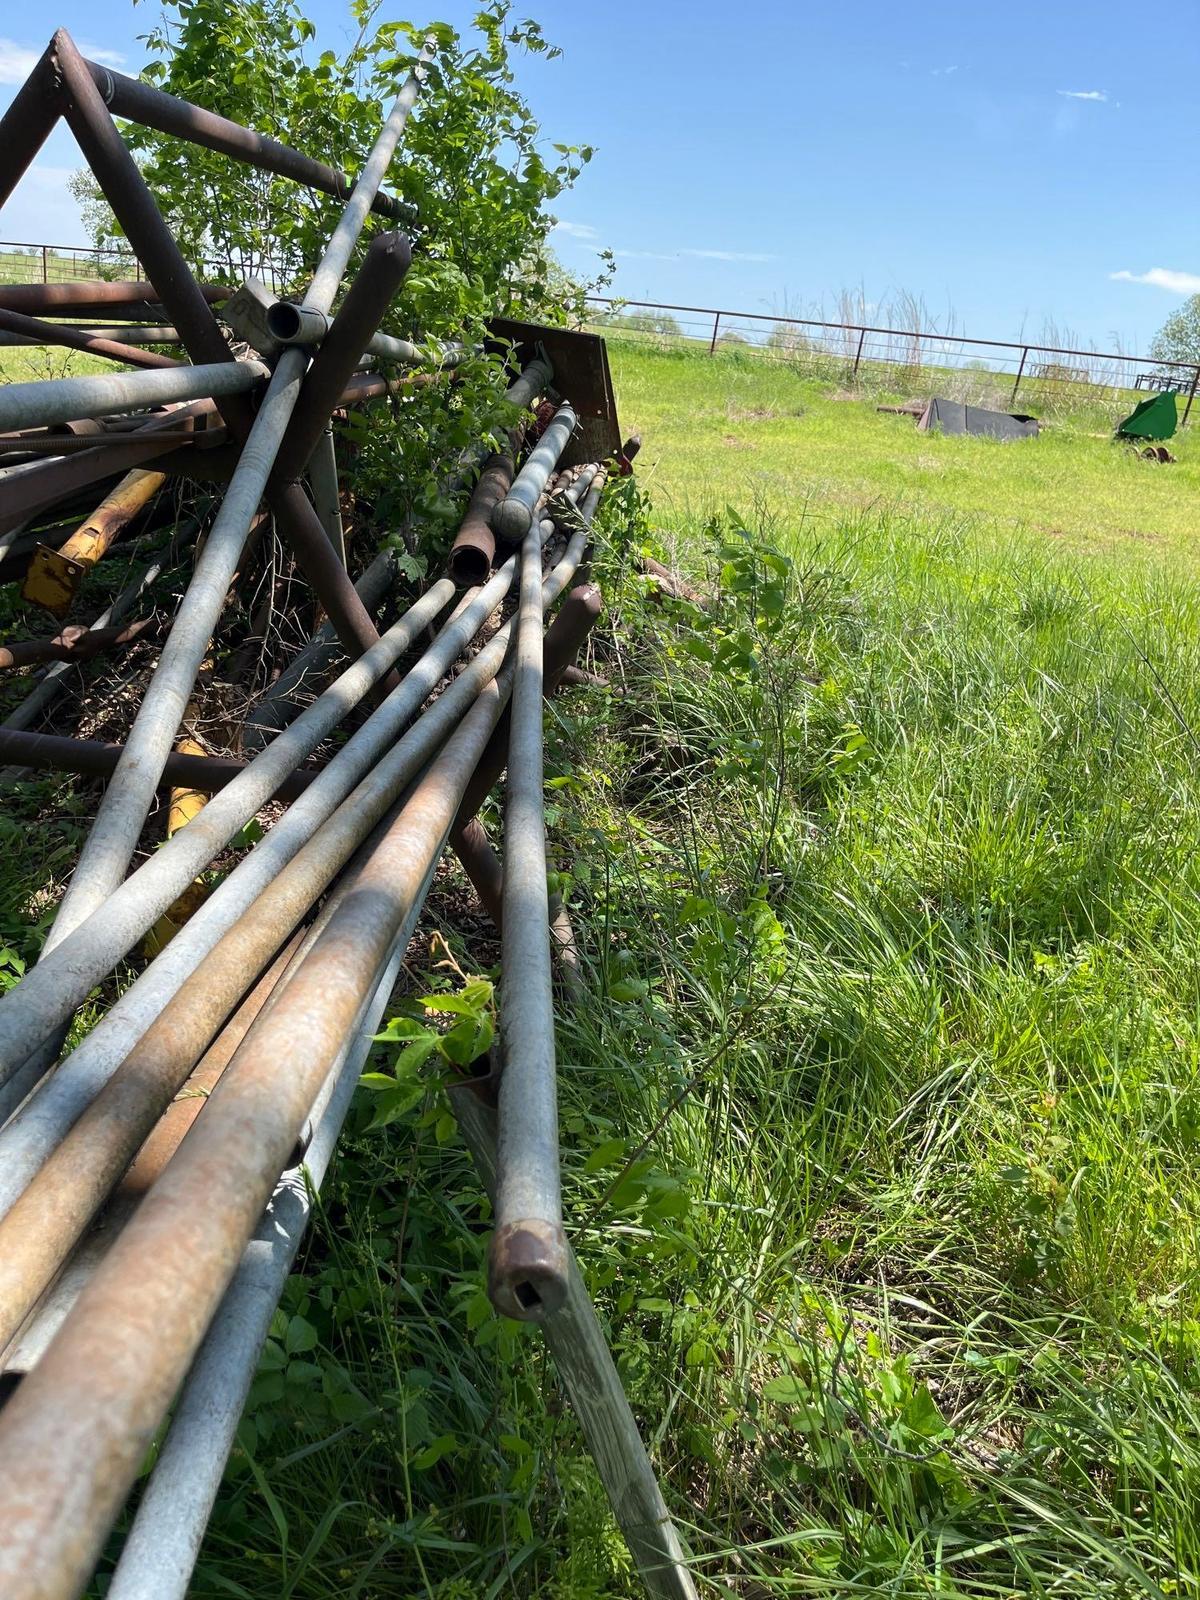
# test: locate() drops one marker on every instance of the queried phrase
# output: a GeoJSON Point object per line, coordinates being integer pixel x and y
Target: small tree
{"type": "Point", "coordinates": [1179, 337]}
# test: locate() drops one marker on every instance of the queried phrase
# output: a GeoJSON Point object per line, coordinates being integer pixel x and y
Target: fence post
{"type": "Point", "coordinates": [1187, 410]}
{"type": "Point", "coordinates": [862, 334]}
{"type": "Point", "coordinates": [45, 268]}
{"type": "Point", "coordinates": [1020, 371]}
{"type": "Point", "coordinates": [712, 344]}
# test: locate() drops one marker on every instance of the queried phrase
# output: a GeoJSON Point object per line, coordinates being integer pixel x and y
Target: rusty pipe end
{"type": "Point", "coordinates": [468, 565]}
{"type": "Point", "coordinates": [527, 1270]}
{"type": "Point", "coordinates": [511, 520]}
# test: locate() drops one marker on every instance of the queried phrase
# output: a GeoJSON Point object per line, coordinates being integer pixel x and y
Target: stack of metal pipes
{"type": "Point", "coordinates": [155, 1179]}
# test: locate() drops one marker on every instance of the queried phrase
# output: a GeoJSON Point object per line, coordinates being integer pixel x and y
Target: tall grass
{"type": "Point", "coordinates": [879, 1115]}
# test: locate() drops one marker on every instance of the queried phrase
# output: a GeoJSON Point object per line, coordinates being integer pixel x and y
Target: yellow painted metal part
{"type": "Point", "coordinates": [185, 804]}
{"type": "Point", "coordinates": [54, 576]}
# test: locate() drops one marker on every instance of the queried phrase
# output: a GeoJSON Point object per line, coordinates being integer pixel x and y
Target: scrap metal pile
{"type": "Point", "coordinates": [147, 1225]}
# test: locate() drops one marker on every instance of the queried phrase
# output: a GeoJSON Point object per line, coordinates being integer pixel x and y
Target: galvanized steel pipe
{"type": "Point", "coordinates": [35, 405]}
{"type": "Point", "coordinates": [161, 1547]}
{"type": "Point", "coordinates": [513, 517]}
{"type": "Point", "coordinates": [49, 992]}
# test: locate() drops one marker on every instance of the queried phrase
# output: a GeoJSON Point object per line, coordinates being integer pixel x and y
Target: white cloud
{"type": "Point", "coordinates": [943, 72]}
{"type": "Point", "coordinates": [1162, 278]}
{"type": "Point", "coordinates": [647, 255]}
{"type": "Point", "coordinates": [1083, 94]}
{"type": "Point", "coordinates": [16, 62]}
{"type": "Point", "coordinates": [726, 255]}
{"type": "Point", "coordinates": [575, 230]}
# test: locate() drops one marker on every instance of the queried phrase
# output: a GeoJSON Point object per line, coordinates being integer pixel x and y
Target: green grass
{"type": "Point", "coordinates": [758, 432]}
{"type": "Point", "coordinates": [880, 1118]}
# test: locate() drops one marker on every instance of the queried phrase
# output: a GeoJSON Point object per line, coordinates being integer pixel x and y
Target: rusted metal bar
{"type": "Point", "coordinates": [474, 547]}
{"type": "Point", "coordinates": [48, 483]}
{"type": "Point", "coordinates": [91, 297]}
{"type": "Point", "coordinates": [372, 754]}
{"type": "Point", "coordinates": [130, 908]}
{"type": "Point", "coordinates": [111, 842]}
{"type": "Point", "coordinates": [862, 334]}
{"type": "Point", "coordinates": [513, 517]}
{"type": "Point", "coordinates": [114, 444]}
{"type": "Point", "coordinates": [138, 102]}
{"type": "Point", "coordinates": [54, 575]}
{"type": "Point", "coordinates": [27, 124]}
{"type": "Point", "coordinates": [126, 333]}
{"type": "Point", "coordinates": [92, 758]}
{"type": "Point", "coordinates": [358, 317]}
{"type": "Point", "coordinates": [142, 222]}
{"type": "Point", "coordinates": [712, 343]}
{"type": "Point", "coordinates": [161, 1547]}
{"type": "Point", "coordinates": [72, 644]}
{"type": "Point", "coordinates": [327, 500]}
{"type": "Point", "coordinates": [56, 679]}
{"type": "Point", "coordinates": [74, 339]}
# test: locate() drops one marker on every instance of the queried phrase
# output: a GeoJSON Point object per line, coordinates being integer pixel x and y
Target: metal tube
{"type": "Point", "coordinates": [129, 333]}
{"type": "Point", "coordinates": [278, 705]}
{"type": "Point", "coordinates": [35, 405]}
{"type": "Point", "coordinates": [35, 330]}
{"type": "Point", "coordinates": [50, 1552]}
{"type": "Point", "coordinates": [474, 547]}
{"type": "Point", "coordinates": [27, 124]}
{"type": "Point", "coordinates": [152, 108]}
{"type": "Point", "coordinates": [115, 444]}
{"type": "Point", "coordinates": [54, 575]}
{"type": "Point", "coordinates": [340, 351]}
{"type": "Point", "coordinates": [26, 1142]}
{"type": "Point", "coordinates": [513, 517]}
{"type": "Point", "coordinates": [90, 296]}
{"type": "Point", "coordinates": [161, 1547]}
{"type": "Point", "coordinates": [55, 680]}
{"type": "Point", "coordinates": [72, 644]}
{"type": "Point", "coordinates": [46, 483]}
{"type": "Point", "coordinates": [327, 500]}
{"type": "Point", "coordinates": [527, 1257]}
{"type": "Point", "coordinates": [289, 324]}
{"type": "Point", "coordinates": [130, 908]}
{"type": "Point", "coordinates": [111, 842]}
{"type": "Point", "coordinates": [535, 379]}
{"type": "Point", "coordinates": [93, 758]}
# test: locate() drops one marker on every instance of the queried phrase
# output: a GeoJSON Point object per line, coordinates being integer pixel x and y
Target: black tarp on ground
{"type": "Point", "coordinates": [953, 417]}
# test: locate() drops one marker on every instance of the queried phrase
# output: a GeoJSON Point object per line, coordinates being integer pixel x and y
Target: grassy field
{"type": "Point", "coordinates": [880, 1117]}
{"type": "Point", "coordinates": [881, 1111]}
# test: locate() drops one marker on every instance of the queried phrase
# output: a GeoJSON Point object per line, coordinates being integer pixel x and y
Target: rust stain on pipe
{"type": "Point", "coordinates": [474, 548]}
{"type": "Point", "coordinates": [72, 339]}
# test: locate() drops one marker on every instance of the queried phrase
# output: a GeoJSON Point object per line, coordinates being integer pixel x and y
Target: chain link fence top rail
{"type": "Point", "coordinates": [992, 372]}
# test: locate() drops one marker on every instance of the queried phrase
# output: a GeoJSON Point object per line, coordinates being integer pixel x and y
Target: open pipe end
{"type": "Point", "coordinates": [288, 323]}
{"type": "Point", "coordinates": [511, 520]}
{"type": "Point", "coordinates": [527, 1270]}
{"type": "Point", "coordinates": [468, 566]}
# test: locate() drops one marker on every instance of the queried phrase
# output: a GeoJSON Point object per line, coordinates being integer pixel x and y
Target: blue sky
{"type": "Point", "coordinates": [1006, 164]}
